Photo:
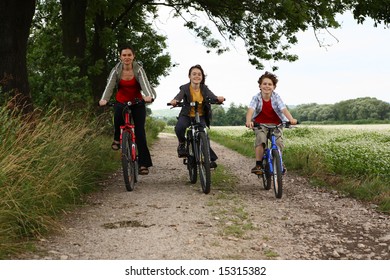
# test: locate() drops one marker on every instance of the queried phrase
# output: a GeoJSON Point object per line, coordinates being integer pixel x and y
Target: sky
{"type": "Point", "coordinates": [355, 65]}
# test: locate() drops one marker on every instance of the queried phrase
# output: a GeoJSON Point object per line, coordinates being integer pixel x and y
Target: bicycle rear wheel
{"type": "Point", "coordinates": [128, 164]}
{"type": "Point", "coordinates": [191, 161]}
{"type": "Point", "coordinates": [204, 162]}
{"type": "Point", "coordinates": [266, 175]}
{"type": "Point", "coordinates": [277, 175]}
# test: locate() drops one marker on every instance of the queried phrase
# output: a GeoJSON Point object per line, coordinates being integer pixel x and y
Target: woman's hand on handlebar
{"type": "Point", "coordinates": [148, 99]}
{"type": "Point", "coordinates": [103, 102]}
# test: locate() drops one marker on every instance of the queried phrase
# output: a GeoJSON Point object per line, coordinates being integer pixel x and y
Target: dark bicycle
{"type": "Point", "coordinates": [272, 163]}
{"type": "Point", "coordinates": [129, 156]}
{"type": "Point", "coordinates": [198, 148]}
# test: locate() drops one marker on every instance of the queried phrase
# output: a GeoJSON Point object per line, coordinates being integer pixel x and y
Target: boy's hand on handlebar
{"type": "Point", "coordinates": [103, 102]}
{"type": "Point", "coordinates": [293, 121]}
{"type": "Point", "coordinates": [249, 124]}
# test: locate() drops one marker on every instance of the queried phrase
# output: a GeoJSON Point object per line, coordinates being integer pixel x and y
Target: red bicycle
{"type": "Point", "coordinates": [129, 156]}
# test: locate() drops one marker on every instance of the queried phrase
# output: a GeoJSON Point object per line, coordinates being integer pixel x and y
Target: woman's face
{"type": "Point", "coordinates": [127, 56]}
{"type": "Point", "coordinates": [267, 86]}
{"type": "Point", "coordinates": [196, 76]}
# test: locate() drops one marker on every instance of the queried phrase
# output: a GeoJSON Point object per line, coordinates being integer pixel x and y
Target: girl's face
{"type": "Point", "coordinates": [127, 56]}
{"type": "Point", "coordinates": [267, 86]}
{"type": "Point", "coordinates": [196, 76]}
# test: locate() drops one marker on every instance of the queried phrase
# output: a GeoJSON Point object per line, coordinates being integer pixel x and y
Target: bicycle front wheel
{"type": "Point", "coordinates": [204, 162]}
{"type": "Point", "coordinates": [266, 175]}
{"type": "Point", "coordinates": [191, 161]}
{"type": "Point", "coordinates": [128, 164]}
{"type": "Point", "coordinates": [277, 175]}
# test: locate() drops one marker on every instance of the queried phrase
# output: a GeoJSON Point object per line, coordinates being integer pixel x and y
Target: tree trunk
{"type": "Point", "coordinates": [74, 40]}
{"type": "Point", "coordinates": [98, 53]}
{"type": "Point", "coordinates": [15, 22]}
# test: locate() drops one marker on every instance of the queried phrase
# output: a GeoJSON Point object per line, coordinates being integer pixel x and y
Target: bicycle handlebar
{"type": "Point", "coordinates": [193, 104]}
{"type": "Point", "coordinates": [282, 124]}
{"type": "Point", "coordinates": [129, 103]}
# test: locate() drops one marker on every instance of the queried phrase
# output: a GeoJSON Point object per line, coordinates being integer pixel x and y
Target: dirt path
{"type": "Point", "coordinates": [168, 218]}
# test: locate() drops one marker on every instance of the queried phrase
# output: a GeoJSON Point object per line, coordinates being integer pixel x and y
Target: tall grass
{"type": "Point", "coordinates": [45, 168]}
{"type": "Point", "coordinates": [354, 161]}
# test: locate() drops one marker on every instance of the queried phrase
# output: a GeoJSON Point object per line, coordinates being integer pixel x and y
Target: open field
{"type": "Point", "coordinates": [352, 158]}
{"type": "Point", "coordinates": [238, 130]}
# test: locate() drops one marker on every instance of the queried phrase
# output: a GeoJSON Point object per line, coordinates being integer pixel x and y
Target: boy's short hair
{"type": "Point", "coordinates": [270, 76]}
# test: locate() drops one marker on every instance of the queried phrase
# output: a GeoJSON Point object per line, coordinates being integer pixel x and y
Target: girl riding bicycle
{"type": "Point", "coordinates": [195, 90]}
{"type": "Point", "coordinates": [130, 80]}
{"type": "Point", "coordinates": [268, 108]}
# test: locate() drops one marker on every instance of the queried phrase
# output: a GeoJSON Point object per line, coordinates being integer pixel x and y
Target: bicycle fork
{"type": "Point", "coordinates": [269, 156]}
{"type": "Point", "coordinates": [133, 148]}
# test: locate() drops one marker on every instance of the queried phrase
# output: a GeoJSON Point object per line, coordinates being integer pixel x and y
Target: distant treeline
{"type": "Point", "coordinates": [359, 110]}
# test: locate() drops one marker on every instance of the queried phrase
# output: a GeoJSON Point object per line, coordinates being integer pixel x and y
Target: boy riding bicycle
{"type": "Point", "coordinates": [268, 108]}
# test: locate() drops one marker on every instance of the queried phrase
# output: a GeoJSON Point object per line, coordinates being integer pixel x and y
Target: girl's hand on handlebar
{"type": "Point", "coordinates": [103, 102]}
{"type": "Point", "coordinates": [221, 99]}
{"type": "Point", "coordinates": [173, 102]}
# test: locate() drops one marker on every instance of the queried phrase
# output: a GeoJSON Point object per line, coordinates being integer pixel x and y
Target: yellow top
{"type": "Point", "coordinates": [196, 95]}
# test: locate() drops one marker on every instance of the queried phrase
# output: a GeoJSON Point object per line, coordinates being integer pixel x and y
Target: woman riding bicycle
{"type": "Point", "coordinates": [266, 107]}
{"type": "Point", "coordinates": [195, 90]}
{"type": "Point", "coordinates": [129, 79]}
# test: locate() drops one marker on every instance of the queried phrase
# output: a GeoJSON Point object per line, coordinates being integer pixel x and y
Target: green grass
{"type": "Point", "coordinates": [354, 161]}
{"type": "Point", "coordinates": [47, 164]}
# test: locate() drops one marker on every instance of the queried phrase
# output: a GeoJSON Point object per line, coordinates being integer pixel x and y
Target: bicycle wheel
{"type": "Point", "coordinates": [128, 164]}
{"type": "Point", "coordinates": [277, 176]}
{"type": "Point", "coordinates": [204, 162]}
{"type": "Point", "coordinates": [266, 175]}
{"type": "Point", "coordinates": [191, 161]}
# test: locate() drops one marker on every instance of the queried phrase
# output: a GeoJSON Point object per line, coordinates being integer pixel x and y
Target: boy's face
{"type": "Point", "coordinates": [267, 86]}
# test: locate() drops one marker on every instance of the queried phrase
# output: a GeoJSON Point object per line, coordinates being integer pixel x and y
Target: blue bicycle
{"type": "Point", "coordinates": [273, 168]}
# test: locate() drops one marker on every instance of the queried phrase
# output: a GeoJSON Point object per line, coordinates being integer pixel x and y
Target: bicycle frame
{"type": "Point", "coordinates": [268, 149]}
{"type": "Point", "coordinates": [273, 168]}
{"type": "Point", "coordinates": [128, 145]}
{"type": "Point", "coordinates": [128, 126]}
{"type": "Point", "coordinates": [196, 127]}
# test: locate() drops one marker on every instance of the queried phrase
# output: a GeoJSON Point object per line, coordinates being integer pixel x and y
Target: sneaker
{"type": "Point", "coordinates": [181, 150]}
{"type": "Point", "coordinates": [257, 170]}
{"type": "Point", "coordinates": [284, 169]}
{"type": "Point", "coordinates": [213, 164]}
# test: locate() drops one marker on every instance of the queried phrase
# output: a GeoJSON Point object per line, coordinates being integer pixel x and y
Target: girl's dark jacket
{"type": "Point", "coordinates": [185, 96]}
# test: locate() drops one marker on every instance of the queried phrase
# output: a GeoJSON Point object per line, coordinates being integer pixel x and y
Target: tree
{"type": "Point", "coordinates": [236, 115]}
{"type": "Point", "coordinates": [218, 116]}
{"type": "Point", "coordinates": [116, 23]}
{"type": "Point", "coordinates": [74, 38]}
{"type": "Point", "coordinates": [267, 27]}
{"type": "Point", "coordinates": [15, 22]}
{"type": "Point", "coordinates": [57, 77]}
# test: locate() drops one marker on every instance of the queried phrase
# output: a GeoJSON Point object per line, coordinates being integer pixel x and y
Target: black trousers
{"type": "Point", "coordinates": [138, 114]}
{"type": "Point", "coordinates": [180, 129]}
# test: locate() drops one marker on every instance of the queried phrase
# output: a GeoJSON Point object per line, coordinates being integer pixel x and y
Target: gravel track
{"type": "Point", "coordinates": [166, 217]}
